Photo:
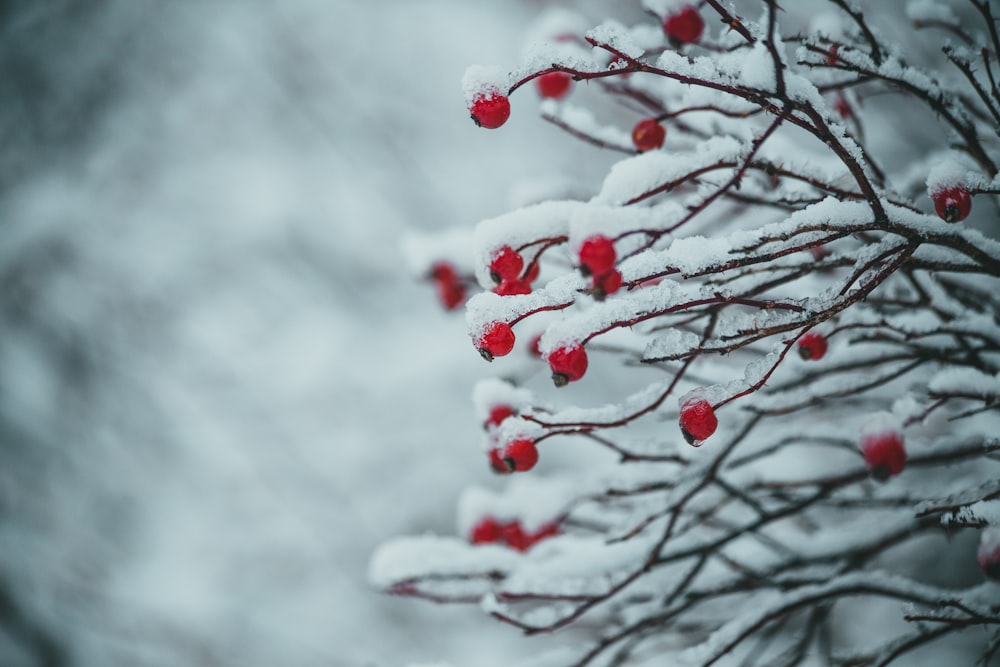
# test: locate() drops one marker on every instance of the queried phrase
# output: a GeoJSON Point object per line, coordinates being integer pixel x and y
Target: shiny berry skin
{"type": "Point", "coordinates": [490, 111]}
{"type": "Point", "coordinates": [597, 255]}
{"type": "Point", "coordinates": [568, 364]}
{"type": "Point", "coordinates": [953, 204]}
{"type": "Point", "coordinates": [487, 531]}
{"type": "Point", "coordinates": [498, 413]}
{"type": "Point", "coordinates": [698, 421]}
{"type": "Point", "coordinates": [520, 455]}
{"type": "Point", "coordinates": [988, 554]}
{"type": "Point", "coordinates": [812, 346]}
{"type": "Point", "coordinates": [497, 464]}
{"type": "Point", "coordinates": [685, 26]}
{"type": "Point", "coordinates": [554, 85]}
{"type": "Point", "coordinates": [606, 284]}
{"type": "Point", "coordinates": [884, 454]}
{"type": "Point", "coordinates": [506, 264]}
{"type": "Point", "coordinates": [648, 135]}
{"type": "Point", "coordinates": [512, 287]}
{"type": "Point", "coordinates": [496, 340]}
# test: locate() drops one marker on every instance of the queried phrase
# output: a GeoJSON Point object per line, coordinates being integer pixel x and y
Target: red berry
{"type": "Point", "coordinates": [512, 287]}
{"type": "Point", "coordinates": [451, 291]}
{"type": "Point", "coordinates": [497, 464]}
{"type": "Point", "coordinates": [698, 420]}
{"type": "Point", "coordinates": [812, 346]}
{"type": "Point", "coordinates": [953, 204]}
{"type": "Point", "coordinates": [531, 275]}
{"type": "Point", "coordinates": [831, 55]}
{"type": "Point", "coordinates": [841, 106]}
{"type": "Point", "coordinates": [506, 264]}
{"type": "Point", "coordinates": [597, 255]}
{"type": "Point", "coordinates": [685, 26]}
{"type": "Point", "coordinates": [520, 455]}
{"type": "Point", "coordinates": [487, 531]}
{"type": "Point", "coordinates": [533, 347]}
{"type": "Point", "coordinates": [515, 537]}
{"type": "Point", "coordinates": [554, 84]}
{"type": "Point", "coordinates": [568, 364]}
{"type": "Point", "coordinates": [605, 284]}
{"type": "Point", "coordinates": [490, 111]}
{"type": "Point", "coordinates": [550, 529]}
{"type": "Point", "coordinates": [884, 453]}
{"type": "Point", "coordinates": [498, 413]}
{"type": "Point", "coordinates": [988, 553]}
{"type": "Point", "coordinates": [443, 271]}
{"type": "Point", "coordinates": [496, 340]}
{"type": "Point", "coordinates": [648, 135]}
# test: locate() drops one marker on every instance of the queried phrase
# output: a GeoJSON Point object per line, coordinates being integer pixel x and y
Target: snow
{"type": "Point", "coordinates": [924, 11]}
{"type": "Point", "coordinates": [965, 382]}
{"type": "Point", "coordinates": [482, 81]}
{"type": "Point", "coordinates": [950, 172]}
{"type": "Point", "coordinates": [985, 512]}
{"type": "Point", "coordinates": [532, 500]}
{"type": "Point", "coordinates": [635, 176]}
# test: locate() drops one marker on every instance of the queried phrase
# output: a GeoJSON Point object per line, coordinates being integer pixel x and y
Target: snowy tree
{"type": "Point", "coordinates": [748, 384]}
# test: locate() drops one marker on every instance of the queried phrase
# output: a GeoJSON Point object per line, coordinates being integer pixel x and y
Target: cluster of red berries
{"type": "Point", "coordinates": [953, 204]}
{"type": "Point", "coordinates": [450, 288]}
{"type": "Point", "coordinates": [648, 134]}
{"type": "Point", "coordinates": [597, 259]}
{"type": "Point", "coordinates": [490, 530]}
{"type": "Point", "coordinates": [684, 26]}
{"type": "Point", "coordinates": [506, 269]}
{"type": "Point", "coordinates": [697, 420]}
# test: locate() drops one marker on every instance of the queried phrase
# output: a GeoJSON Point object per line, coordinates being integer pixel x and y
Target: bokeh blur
{"type": "Point", "coordinates": [219, 388]}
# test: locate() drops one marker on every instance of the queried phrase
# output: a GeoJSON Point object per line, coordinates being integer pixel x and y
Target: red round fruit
{"type": "Point", "coordinates": [515, 537]}
{"type": "Point", "coordinates": [496, 340]}
{"type": "Point", "coordinates": [490, 111]}
{"type": "Point", "coordinates": [498, 413]}
{"type": "Point", "coordinates": [451, 294]}
{"type": "Point", "coordinates": [443, 272]}
{"type": "Point", "coordinates": [885, 454]}
{"type": "Point", "coordinates": [512, 287]}
{"type": "Point", "coordinates": [648, 135]}
{"type": "Point", "coordinates": [832, 55]}
{"type": "Point", "coordinates": [597, 255]}
{"type": "Point", "coordinates": [953, 204]}
{"type": "Point", "coordinates": [487, 531]}
{"type": "Point", "coordinates": [988, 554]}
{"type": "Point", "coordinates": [497, 464]}
{"type": "Point", "coordinates": [506, 264]}
{"type": "Point", "coordinates": [554, 85]}
{"type": "Point", "coordinates": [698, 420]}
{"type": "Point", "coordinates": [606, 284]}
{"type": "Point", "coordinates": [568, 364]}
{"type": "Point", "coordinates": [685, 26]}
{"type": "Point", "coordinates": [531, 275]}
{"type": "Point", "coordinates": [812, 346]}
{"type": "Point", "coordinates": [520, 455]}
{"type": "Point", "coordinates": [533, 347]}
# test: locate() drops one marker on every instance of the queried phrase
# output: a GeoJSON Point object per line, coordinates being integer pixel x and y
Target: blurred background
{"type": "Point", "coordinates": [219, 390]}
